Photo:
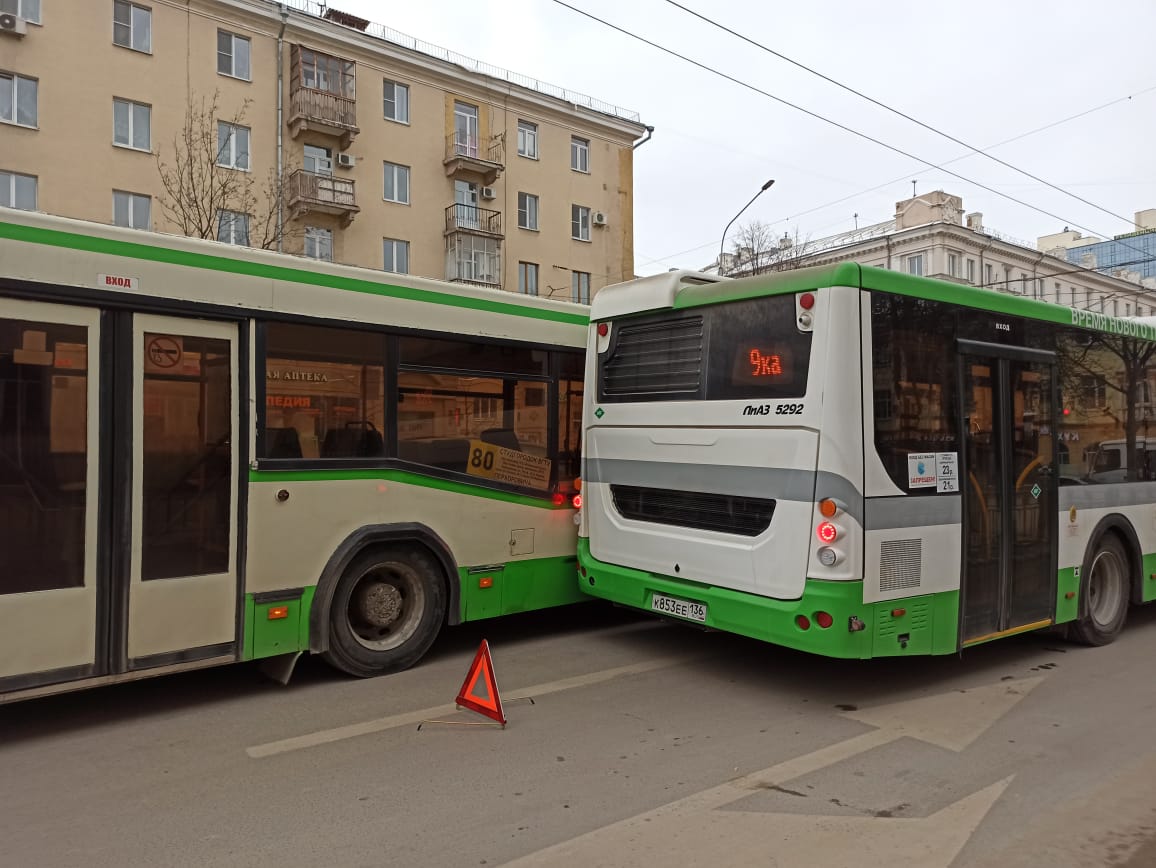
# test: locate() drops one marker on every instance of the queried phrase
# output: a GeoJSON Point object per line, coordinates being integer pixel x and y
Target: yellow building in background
{"type": "Point", "coordinates": [325, 135]}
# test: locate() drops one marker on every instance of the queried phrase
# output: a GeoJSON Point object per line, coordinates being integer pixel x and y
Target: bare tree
{"type": "Point", "coordinates": [753, 244]}
{"type": "Point", "coordinates": [757, 251]}
{"type": "Point", "coordinates": [200, 188]}
{"type": "Point", "coordinates": [790, 253]}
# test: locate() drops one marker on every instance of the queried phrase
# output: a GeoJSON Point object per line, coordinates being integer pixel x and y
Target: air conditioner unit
{"type": "Point", "coordinates": [599, 218]}
{"type": "Point", "coordinates": [346, 161]}
{"type": "Point", "coordinates": [489, 193]}
{"type": "Point", "coordinates": [12, 25]}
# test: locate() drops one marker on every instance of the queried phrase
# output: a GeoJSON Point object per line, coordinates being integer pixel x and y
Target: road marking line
{"type": "Point", "coordinates": [412, 718]}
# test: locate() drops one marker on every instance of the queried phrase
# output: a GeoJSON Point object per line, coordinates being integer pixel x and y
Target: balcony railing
{"type": "Point", "coordinates": [471, 218]}
{"type": "Point", "coordinates": [313, 191]}
{"type": "Point", "coordinates": [474, 155]}
{"type": "Point", "coordinates": [323, 111]}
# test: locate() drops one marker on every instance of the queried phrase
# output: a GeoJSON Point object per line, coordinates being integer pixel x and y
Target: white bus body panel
{"type": "Point", "coordinates": [750, 462]}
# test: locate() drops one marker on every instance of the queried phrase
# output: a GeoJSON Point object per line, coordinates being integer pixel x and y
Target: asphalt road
{"type": "Point", "coordinates": [645, 744]}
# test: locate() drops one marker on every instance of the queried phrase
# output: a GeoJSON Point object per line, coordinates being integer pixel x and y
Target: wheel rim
{"type": "Point", "coordinates": [1105, 588]}
{"type": "Point", "coordinates": [386, 606]}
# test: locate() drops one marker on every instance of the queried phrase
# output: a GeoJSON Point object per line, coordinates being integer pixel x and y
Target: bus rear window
{"type": "Point", "coordinates": [742, 350]}
{"type": "Point", "coordinates": [755, 350]}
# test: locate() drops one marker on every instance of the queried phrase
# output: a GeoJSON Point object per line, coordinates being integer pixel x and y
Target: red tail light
{"type": "Point", "coordinates": [824, 620]}
{"type": "Point", "coordinates": [827, 532]}
{"type": "Point", "coordinates": [802, 622]}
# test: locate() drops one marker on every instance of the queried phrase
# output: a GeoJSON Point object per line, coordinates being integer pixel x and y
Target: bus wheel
{"type": "Point", "coordinates": [386, 612]}
{"type": "Point", "coordinates": [1104, 594]}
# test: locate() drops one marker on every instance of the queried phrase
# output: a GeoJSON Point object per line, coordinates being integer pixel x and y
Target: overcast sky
{"type": "Point", "coordinates": [983, 71]}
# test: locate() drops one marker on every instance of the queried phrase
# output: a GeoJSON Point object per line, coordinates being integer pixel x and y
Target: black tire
{"type": "Point", "coordinates": [1105, 589]}
{"type": "Point", "coordinates": [388, 608]}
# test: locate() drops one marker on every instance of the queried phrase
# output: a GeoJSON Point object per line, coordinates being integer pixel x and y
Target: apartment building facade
{"type": "Point", "coordinates": [931, 235]}
{"type": "Point", "coordinates": [363, 145]}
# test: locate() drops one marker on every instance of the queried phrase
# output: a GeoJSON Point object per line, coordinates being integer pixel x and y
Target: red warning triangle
{"type": "Point", "coordinates": [480, 689]}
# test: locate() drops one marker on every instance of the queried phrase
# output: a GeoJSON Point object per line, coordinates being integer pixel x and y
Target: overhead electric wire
{"type": "Point", "coordinates": [894, 110]}
{"type": "Point", "coordinates": [828, 120]}
{"type": "Point", "coordinates": [1015, 138]}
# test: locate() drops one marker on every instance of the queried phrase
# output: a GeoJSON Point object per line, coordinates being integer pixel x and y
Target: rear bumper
{"type": "Point", "coordinates": [910, 627]}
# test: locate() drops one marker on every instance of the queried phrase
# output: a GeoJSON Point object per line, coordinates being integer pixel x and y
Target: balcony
{"type": "Point", "coordinates": [471, 218]}
{"type": "Point", "coordinates": [473, 259]}
{"type": "Point", "coordinates": [470, 155]}
{"type": "Point", "coordinates": [311, 192]}
{"type": "Point", "coordinates": [324, 112]}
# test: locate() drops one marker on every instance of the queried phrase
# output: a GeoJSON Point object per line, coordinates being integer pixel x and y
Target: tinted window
{"type": "Point", "coordinates": [1107, 423]}
{"type": "Point", "coordinates": [470, 356]}
{"type": "Point", "coordinates": [187, 462]}
{"type": "Point", "coordinates": [745, 349]}
{"type": "Point", "coordinates": [755, 350]}
{"type": "Point", "coordinates": [494, 429]}
{"type": "Point", "coordinates": [43, 455]}
{"type": "Point", "coordinates": [324, 393]}
{"type": "Point", "coordinates": [913, 372]}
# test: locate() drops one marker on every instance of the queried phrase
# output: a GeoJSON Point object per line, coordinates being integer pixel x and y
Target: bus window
{"type": "Point", "coordinates": [324, 393]}
{"type": "Point", "coordinates": [570, 394]}
{"type": "Point", "coordinates": [913, 361]}
{"type": "Point", "coordinates": [43, 455]}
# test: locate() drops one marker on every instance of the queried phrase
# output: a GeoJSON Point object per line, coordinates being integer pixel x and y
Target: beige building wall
{"type": "Point", "coordinates": [79, 71]}
{"type": "Point", "coordinates": [931, 236]}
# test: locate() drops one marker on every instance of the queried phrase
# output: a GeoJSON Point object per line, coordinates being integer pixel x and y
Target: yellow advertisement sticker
{"type": "Point", "coordinates": [508, 465]}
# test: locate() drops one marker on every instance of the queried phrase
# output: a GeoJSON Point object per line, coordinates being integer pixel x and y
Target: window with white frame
{"type": "Point", "coordinates": [132, 26]}
{"type": "Point", "coordinates": [29, 10]}
{"type": "Point", "coordinates": [18, 191]}
{"type": "Point", "coordinates": [232, 146]}
{"type": "Point", "coordinates": [395, 255]}
{"type": "Point", "coordinates": [580, 287]}
{"type": "Point", "coordinates": [317, 160]}
{"type": "Point", "coordinates": [233, 55]}
{"type": "Point", "coordinates": [988, 274]}
{"type": "Point", "coordinates": [396, 183]}
{"type": "Point", "coordinates": [527, 140]}
{"type": "Point", "coordinates": [971, 271]}
{"type": "Point", "coordinates": [527, 211]}
{"type": "Point", "coordinates": [233, 227]}
{"type": "Point", "coordinates": [396, 101]}
{"type": "Point", "coordinates": [1057, 292]}
{"type": "Point", "coordinates": [579, 154]}
{"type": "Point", "coordinates": [580, 222]}
{"type": "Point", "coordinates": [915, 264]}
{"type": "Point", "coordinates": [528, 278]}
{"type": "Point", "coordinates": [473, 259]}
{"type": "Point", "coordinates": [131, 209]}
{"type": "Point", "coordinates": [131, 124]}
{"type": "Point", "coordinates": [953, 265]}
{"type": "Point", "coordinates": [319, 243]}
{"type": "Point", "coordinates": [18, 100]}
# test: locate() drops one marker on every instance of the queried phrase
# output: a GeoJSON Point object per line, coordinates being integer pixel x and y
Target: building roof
{"type": "Point", "coordinates": [322, 10]}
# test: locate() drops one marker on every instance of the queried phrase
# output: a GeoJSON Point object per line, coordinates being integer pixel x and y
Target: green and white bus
{"type": "Point", "coordinates": [212, 453]}
{"type": "Point", "coordinates": [860, 463]}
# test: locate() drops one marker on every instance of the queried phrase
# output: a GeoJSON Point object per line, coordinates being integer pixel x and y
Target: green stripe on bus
{"type": "Point", "coordinates": [869, 277]}
{"type": "Point", "coordinates": [519, 586]}
{"type": "Point", "coordinates": [913, 626]}
{"type": "Point", "coordinates": [405, 477]}
{"type": "Point", "coordinates": [151, 253]}
{"type": "Point", "coordinates": [779, 283]}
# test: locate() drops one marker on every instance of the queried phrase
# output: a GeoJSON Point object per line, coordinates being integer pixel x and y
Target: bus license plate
{"type": "Point", "coordinates": [678, 608]}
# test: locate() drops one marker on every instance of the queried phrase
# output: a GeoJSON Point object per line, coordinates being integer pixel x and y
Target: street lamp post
{"type": "Point", "coordinates": [723, 241]}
